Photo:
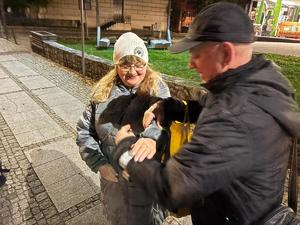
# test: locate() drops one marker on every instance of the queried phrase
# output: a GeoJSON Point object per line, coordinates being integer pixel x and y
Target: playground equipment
{"type": "Point", "coordinates": [289, 29]}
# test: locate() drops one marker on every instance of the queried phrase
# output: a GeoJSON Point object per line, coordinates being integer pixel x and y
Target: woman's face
{"type": "Point", "coordinates": [132, 74]}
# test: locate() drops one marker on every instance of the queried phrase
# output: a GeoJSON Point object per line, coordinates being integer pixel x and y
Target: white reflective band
{"type": "Point", "coordinates": [124, 159]}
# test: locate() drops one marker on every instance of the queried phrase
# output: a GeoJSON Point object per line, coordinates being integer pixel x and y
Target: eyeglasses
{"type": "Point", "coordinates": [137, 67]}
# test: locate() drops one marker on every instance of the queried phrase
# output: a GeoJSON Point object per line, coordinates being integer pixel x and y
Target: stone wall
{"type": "Point", "coordinates": [139, 13]}
{"type": "Point", "coordinates": [96, 67]}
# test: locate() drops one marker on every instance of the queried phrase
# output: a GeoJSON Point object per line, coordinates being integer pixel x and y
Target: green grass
{"type": "Point", "coordinates": [177, 64]}
{"type": "Point", "coordinates": [160, 60]}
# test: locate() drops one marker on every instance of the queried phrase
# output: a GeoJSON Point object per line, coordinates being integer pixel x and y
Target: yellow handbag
{"type": "Point", "coordinates": [180, 134]}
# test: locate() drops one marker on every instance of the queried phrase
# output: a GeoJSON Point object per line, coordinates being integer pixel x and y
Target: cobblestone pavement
{"type": "Point", "coordinates": [48, 183]}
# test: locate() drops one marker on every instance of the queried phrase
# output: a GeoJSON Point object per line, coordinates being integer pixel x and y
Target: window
{"type": "Point", "coordinates": [87, 4]}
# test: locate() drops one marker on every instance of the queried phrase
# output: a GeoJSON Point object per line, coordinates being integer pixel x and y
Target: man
{"type": "Point", "coordinates": [233, 170]}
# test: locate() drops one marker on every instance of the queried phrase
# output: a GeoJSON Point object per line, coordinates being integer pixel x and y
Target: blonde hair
{"type": "Point", "coordinates": [102, 90]}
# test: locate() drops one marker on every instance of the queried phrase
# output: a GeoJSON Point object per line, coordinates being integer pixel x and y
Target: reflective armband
{"type": "Point", "coordinates": [124, 159]}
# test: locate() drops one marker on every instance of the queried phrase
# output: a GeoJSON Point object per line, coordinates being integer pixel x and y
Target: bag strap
{"type": "Point", "coordinates": [293, 178]}
{"type": "Point", "coordinates": [186, 123]}
{"type": "Point", "coordinates": [186, 118]}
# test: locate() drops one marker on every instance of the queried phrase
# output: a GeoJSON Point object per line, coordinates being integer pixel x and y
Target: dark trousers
{"type": "Point", "coordinates": [126, 203]}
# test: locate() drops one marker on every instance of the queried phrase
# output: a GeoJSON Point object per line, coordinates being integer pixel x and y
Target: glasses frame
{"type": "Point", "coordinates": [126, 67]}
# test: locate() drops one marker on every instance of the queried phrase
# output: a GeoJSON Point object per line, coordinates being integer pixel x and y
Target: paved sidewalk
{"type": "Point", "coordinates": [279, 48]}
{"type": "Point", "coordinates": [40, 103]}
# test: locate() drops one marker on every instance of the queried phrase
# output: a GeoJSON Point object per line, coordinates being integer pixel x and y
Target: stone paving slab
{"type": "Point", "coordinates": [52, 151]}
{"type": "Point", "coordinates": [79, 165]}
{"type": "Point", "coordinates": [70, 113]}
{"type": "Point", "coordinates": [36, 114]}
{"type": "Point", "coordinates": [25, 126]}
{"type": "Point", "coordinates": [72, 83]}
{"type": "Point", "coordinates": [59, 161]}
{"type": "Point", "coordinates": [35, 82]}
{"type": "Point", "coordinates": [18, 69]}
{"type": "Point", "coordinates": [93, 216]}
{"type": "Point", "coordinates": [62, 103]}
{"type": "Point", "coordinates": [54, 171]}
{"type": "Point", "coordinates": [4, 58]}
{"type": "Point", "coordinates": [70, 192]}
{"type": "Point", "coordinates": [56, 96]}
{"type": "Point", "coordinates": [3, 74]}
{"type": "Point", "coordinates": [8, 46]}
{"type": "Point", "coordinates": [93, 180]}
{"type": "Point", "coordinates": [8, 85]}
{"type": "Point", "coordinates": [27, 131]}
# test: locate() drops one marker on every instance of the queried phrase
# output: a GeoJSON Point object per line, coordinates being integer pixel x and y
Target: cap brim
{"type": "Point", "coordinates": [183, 45]}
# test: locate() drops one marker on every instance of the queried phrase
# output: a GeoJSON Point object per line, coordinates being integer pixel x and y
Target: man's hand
{"type": "Point", "coordinates": [108, 173]}
{"type": "Point", "coordinates": [124, 132]}
{"type": "Point", "coordinates": [143, 148]}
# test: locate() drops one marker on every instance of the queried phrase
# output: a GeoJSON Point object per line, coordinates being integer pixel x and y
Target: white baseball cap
{"type": "Point", "coordinates": [130, 44]}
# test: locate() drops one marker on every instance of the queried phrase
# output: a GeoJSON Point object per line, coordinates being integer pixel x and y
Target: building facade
{"type": "Point", "coordinates": [120, 14]}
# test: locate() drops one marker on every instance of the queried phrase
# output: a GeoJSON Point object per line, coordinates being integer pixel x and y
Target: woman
{"type": "Point", "coordinates": [120, 98]}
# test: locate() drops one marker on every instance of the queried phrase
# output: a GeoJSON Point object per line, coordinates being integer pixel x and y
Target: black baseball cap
{"type": "Point", "coordinates": [222, 21]}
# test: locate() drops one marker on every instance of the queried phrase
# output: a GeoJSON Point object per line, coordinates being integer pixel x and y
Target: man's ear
{"type": "Point", "coordinates": [229, 54]}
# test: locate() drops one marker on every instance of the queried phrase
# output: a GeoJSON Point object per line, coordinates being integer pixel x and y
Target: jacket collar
{"type": "Point", "coordinates": [232, 76]}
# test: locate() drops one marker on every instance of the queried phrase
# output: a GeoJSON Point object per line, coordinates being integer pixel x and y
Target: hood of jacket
{"type": "Point", "coordinates": [268, 89]}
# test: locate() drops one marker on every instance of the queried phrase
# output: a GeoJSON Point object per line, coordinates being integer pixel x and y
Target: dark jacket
{"type": "Point", "coordinates": [233, 170]}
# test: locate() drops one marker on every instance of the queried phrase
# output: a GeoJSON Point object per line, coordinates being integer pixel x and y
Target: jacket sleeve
{"type": "Point", "coordinates": [152, 131]}
{"type": "Point", "coordinates": [217, 154]}
{"type": "Point", "coordinates": [88, 142]}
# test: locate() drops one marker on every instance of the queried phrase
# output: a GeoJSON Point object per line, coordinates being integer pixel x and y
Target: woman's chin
{"type": "Point", "coordinates": [132, 82]}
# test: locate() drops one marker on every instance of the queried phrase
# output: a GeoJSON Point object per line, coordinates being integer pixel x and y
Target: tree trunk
{"type": "Point", "coordinates": [3, 19]}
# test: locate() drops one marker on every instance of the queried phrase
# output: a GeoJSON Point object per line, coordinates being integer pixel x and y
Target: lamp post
{"type": "Point", "coordinates": [169, 39]}
{"type": "Point", "coordinates": [82, 37]}
{"type": "Point", "coordinates": [98, 23]}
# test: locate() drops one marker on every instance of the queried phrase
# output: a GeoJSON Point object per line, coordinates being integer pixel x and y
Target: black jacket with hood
{"type": "Point", "coordinates": [233, 170]}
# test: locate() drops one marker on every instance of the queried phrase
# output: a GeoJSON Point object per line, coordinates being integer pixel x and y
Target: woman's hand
{"type": "Point", "coordinates": [148, 118]}
{"type": "Point", "coordinates": [154, 112]}
{"type": "Point", "coordinates": [143, 148]}
{"type": "Point", "coordinates": [124, 132]}
{"type": "Point", "coordinates": [108, 173]}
